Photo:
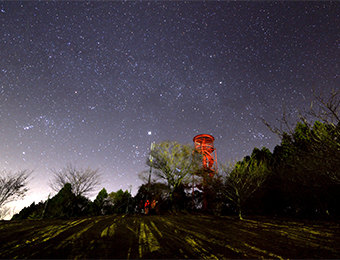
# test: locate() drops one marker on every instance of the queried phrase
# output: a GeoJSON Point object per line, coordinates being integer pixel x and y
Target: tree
{"type": "Point", "coordinates": [103, 204]}
{"type": "Point", "coordinates": [4, 212]}
{"type": "Point", "coordinates": [242, 180]}
{"type": "Point", "coordinates": [311, 168]}
{"type": "Point", "coordinates": [83, 181]}
{"type": "Point", "coordinates": [323, 144]}
{"type": "Point", "coordinates": [152, 191]}
{"type": "Point", "coordinates": [120, 200]}
{"type": "Point", "coordinates": [13, 186]}
{"type": "Point", "coordinates": [310, 157]}
{"type": "Point", "coordinates": [316, 135]}
{"type": "Point", "coordinates": [327, 110]}
{"type": "Point", "coordinates": [34, 211]}
{"type": "Point", "coordinates": [173, 163]}
{"type": "Point", "coordinates": [212, 187]}
{"type": "Point", "coordinates": [63, 204]}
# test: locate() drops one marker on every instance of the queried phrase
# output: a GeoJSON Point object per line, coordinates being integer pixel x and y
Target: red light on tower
{"type": "Point", "coordinates": [204, 144]}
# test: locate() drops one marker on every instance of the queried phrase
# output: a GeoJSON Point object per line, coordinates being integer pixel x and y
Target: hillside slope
{"type": "Point", "coordinates": [168, 236]}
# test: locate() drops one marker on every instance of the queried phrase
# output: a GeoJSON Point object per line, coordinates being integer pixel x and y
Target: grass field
{"type": "Point", "coordinates": [169, 236]}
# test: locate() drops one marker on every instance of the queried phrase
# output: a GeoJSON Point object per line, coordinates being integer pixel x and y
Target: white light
{"type": "Point", "coordinates": [149, 133]}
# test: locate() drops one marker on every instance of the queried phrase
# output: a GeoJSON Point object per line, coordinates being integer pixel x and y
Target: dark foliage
{"type": "Point", "coordinates": [102, 205]}
{"type": "Point", "coordinates": [153, 191]}
{"type": "Point", "coordinates": [63, 205]}
{"type": "Point", "coordinates": [121, 201]}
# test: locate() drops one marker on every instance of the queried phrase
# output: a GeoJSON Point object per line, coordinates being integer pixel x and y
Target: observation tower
{"type": "Point", "coordinates": [204, 144]}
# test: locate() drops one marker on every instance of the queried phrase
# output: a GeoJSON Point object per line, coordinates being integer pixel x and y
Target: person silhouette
{"type": "Point", "coordinates": [147, 207]}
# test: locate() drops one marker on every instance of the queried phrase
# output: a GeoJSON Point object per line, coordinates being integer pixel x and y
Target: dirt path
{"type": "Point", "coordinates": [183, 236]}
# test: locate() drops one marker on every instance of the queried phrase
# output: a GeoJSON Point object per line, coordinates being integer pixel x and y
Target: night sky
{"type": "Point", "coordinates": [94, 83]}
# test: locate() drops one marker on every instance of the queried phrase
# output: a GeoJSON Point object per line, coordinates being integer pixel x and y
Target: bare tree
{"type": "Point", "coordinates": [242, 180]}
{"type": "Point", "coordinates": [83, 181]}
{"type": "Point", "coordinates": [4, 212]}
{"type": "Point", "coordinates": [324, 109]}
{"type": "Point", "coordinates": [13, 186]}
{"type": "Point", "coordinates": [327, 110]}
{"type": "Point", "coordinates": [147, 177]}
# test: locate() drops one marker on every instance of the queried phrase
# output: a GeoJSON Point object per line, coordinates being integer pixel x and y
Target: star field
{"type": "Point", "coordinates": [94, 83]}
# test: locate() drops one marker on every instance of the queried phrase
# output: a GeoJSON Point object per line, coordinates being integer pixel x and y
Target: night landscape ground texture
{"type": "Point", "coordinates": [169, 237]}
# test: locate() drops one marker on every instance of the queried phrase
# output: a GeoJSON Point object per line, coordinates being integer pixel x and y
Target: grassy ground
{"type": "Point", "coordinates": [169, 236]}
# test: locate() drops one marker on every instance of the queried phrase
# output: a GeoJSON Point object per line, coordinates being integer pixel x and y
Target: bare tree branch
{"type": "Point", "coordinates": [327, 109]}
{"type": "Point", "coordinates": [13, 186]}
{"type": "Point", "coordinates": [83, 181]}
{"type": "Point", "coordinates": [320, 128]}
{"type": "Point", "coordinates": [285, 124]}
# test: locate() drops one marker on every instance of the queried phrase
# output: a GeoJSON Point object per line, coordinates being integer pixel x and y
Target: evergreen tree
{"type": "Point", "coordinates": [103, 204]}
{"type": "Point", "coordinates": [120, 200]}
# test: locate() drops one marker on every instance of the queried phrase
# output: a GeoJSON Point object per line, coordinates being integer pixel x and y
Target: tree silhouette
{"type": "Point", "coordinates": [101, 203]}
{"type": "Point", "coordinates": [63, 204]}
{"type": "Point", "coordinates": [13, 186]}
{"type": "Point", "coordinates": [311, 166]}
{"type": "Point", "coordinates": [309, 155]}
{"type": "Point", "coordinates": [83, 181]}
{"type": "Point", "coordinates": [120, 200]}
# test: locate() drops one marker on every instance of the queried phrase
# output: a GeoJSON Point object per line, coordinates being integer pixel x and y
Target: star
{"type": "Point", "coordinates": [82, 80]}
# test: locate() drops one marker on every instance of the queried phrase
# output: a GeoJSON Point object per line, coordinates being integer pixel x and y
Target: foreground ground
{"type": "Point", "coordinates": [169, 236]}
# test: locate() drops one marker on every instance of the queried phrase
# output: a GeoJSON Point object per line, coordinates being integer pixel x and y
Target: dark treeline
{"type": "Point", "coordinates": [66, 204]}
{"type": "Point", "coordinates": [300, 178]}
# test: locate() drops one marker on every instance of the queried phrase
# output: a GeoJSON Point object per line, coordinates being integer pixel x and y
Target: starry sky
{"type": "Point", "coordinates": [94, 83]}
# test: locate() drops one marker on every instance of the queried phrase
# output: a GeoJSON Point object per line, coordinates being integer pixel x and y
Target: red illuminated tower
{"type": "Point", "coordinates": [204, 144]}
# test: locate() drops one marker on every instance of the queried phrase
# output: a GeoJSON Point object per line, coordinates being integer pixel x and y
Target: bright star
{"type": "Point", "coordinates": [149, 133]}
